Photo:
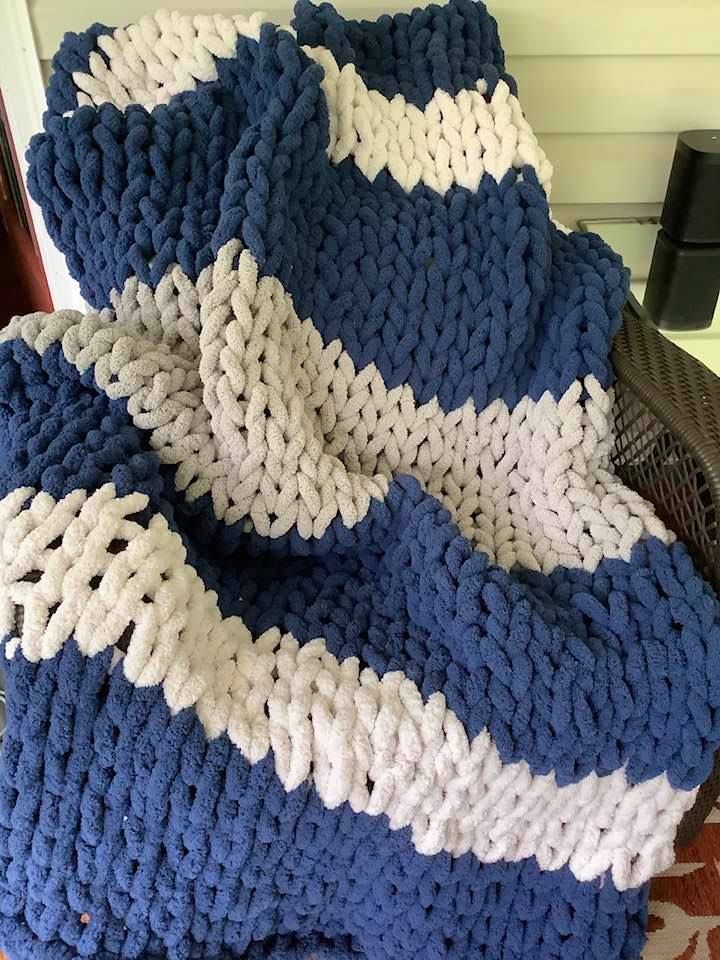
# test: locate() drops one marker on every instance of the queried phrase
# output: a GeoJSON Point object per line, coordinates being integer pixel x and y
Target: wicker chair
{"type": "Point", "coordinates": [667, 420]}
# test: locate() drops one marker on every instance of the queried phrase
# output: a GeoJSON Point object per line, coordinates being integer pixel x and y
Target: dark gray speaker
{"type": "Point", "coordinates": [684, 280]}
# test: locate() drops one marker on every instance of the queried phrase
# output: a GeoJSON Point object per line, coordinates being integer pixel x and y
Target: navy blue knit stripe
{"type": "Point", "coordinates": [448, 47]}
{"type": "Point", "coordinates": [552, 668]}
{"type": "Point", "coordinates": [128, 193]}
{"type": "Point", "coordinates": [175, 846]}
{"type": "Point", "coordinates": [59, 432]}
{"type": "Point", "coordinates": [462, 295]}
{"type": "Point", "coordinates": [575, 672]}
{"type": "Point", "coordinates": [466, 295]}
{"type": "Point", "coordinates": [72, 57]}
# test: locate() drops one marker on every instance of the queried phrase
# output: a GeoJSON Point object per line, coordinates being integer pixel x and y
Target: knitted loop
{"type": "Point", "coordinates": [329, 630]}
{"type": "Point", "coordinates": [284, 431]}
{"type": "Point", "coordinates": [222, 129]}
{"type": "Point", "coordinates": [109, 581]}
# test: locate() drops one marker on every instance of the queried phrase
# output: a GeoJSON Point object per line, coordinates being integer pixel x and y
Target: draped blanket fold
{"type": "Point", "coordinates": [328, 629]}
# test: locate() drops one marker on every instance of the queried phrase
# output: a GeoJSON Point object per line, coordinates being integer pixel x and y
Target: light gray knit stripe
{"type": "Point", "coordinates": [250, 405]}
{"type": "Point", "coordinates": [453, 140]}
{"type": "Point", "coordinates": [373, 742]}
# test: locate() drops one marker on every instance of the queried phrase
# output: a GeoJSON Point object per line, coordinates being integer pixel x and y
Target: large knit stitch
{"type": "Point", "coordinates": [329, 630]}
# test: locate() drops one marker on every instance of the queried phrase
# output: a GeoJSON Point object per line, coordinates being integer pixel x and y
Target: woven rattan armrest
{"type": "Point", "coordinates": [667, 421]}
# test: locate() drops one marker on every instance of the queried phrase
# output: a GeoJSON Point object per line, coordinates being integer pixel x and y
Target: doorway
{"type": "Point", "coordinates": [23, 286]}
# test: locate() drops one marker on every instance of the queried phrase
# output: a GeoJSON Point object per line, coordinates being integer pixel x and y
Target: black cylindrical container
{"type": "Point", "coordinates": [684, 281]}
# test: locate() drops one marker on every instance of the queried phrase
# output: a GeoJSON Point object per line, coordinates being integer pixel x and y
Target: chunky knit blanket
{"type": "Point", "coordinates": [329, 631]}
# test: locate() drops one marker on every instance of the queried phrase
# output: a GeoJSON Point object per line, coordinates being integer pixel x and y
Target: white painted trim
{"type": "Point", "coordinates": [23, 92]}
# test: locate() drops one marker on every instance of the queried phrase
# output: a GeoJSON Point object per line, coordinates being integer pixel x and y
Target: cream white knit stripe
{"type": "Point", "coordinates": [161, 55]}
{"type": "Point", "coordinates": [454, 140]}
{"type": "Point", "coordinates": [82, 567]}
{"type": "Point", "coordinates": [283, 431]}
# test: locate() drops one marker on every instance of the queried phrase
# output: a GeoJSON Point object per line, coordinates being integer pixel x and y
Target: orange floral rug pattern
{"type": "Point", "coordinates": [685, 901]}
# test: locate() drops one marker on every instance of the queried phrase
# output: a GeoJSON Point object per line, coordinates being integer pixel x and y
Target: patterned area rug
{"type": "Point", "coordinates": [685, 902]}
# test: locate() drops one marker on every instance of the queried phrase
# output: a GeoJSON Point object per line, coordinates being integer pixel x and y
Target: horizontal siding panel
{"type": "Point", "coordinates": [611, 168]}
{"type": "Point", "coordinates": [528, 27]}
{"type": "Point", "coordinates": [619, 94]}
{"type": "Point", "coordinates": [608, 27]}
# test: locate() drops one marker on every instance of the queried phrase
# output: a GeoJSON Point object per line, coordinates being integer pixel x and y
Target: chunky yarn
{"type": "Point", "coordinates": [329, 630]}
